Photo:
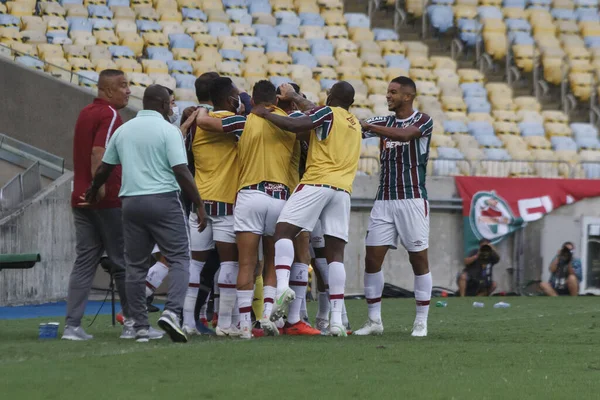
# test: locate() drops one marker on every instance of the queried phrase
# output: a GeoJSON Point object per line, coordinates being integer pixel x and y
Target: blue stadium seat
{"type": "Point", "coordinates": [397, 61]}
{"type": "Point", "coordinates": [489, 141]}
{"type": "Point", "coordinates": [79, 24]}
{"type": "Point", "coordinates": [562, 14]}
{"type": "Point", "coordinates": [252, 41]}
{"type": "Point", "coordinates": [236, 3]}
{"type": "Point", "coordinates": [480, 128]}
{"type": "Point", "coordinates": [121, 52]}
{"type": "Point", "coordinates": [304, 58]}
{"type": "Point", "coordinates": [489, 12]}
{"type": "Point", "coordinates": [57, 37]}
{"type": "Point", "coordinates": [321, 47]}
{"type": "Point", "coordinates": [287, 31]}
{"type": "Point", "coordinates": [478, 105]}
{"type": "Point", "coordinates": [592, 171]}
{"type": "Point", "coordinates": [63, 2]}
{"type": "Point", "coordinates": [531, 129]}
{"type": "Point", "coordinates": [469, 31]}
{"type": "Point", "coordinates": [179, 67]}
{"type": "Point", "coordinates": [287, 18]}
{"type": "Point", "coordinates": [513, 24]}
{"type": "Point", "coordinates": [587, 3]}
{"type": "Point", "coordinates": [382, 34]}
{"type": "Point", "coordinates": [217, 29]}
{"type": "Point", "coordinates": [265, 31]}
{"type": "Point", "coordinates": [588, 143]}
{"type": "Point", "coordinates": [101, 12]}
{"type": "Point", "coordinates": [497, 154]}
{"type": "Point", "coordinates": [563, 143]}
{"type": "Point", "coordinates": [473, 89]}
{"type": "Point", "coordinates": [454, 127]}
{"type": "Point", "coordinates": [181, 41]}
{"type": "Point", "coordinates": [545, 4]}
{"type": "Point", "coordinates": [103, 25]}
{"type": "Point", "coordinates": [185, 81]}
{"type": "Point", "coordinates": [311, 19]}
{"type": "Point", "coordinates": [357, 20]}
{"type": "Point", "coordinates": [592, 41]}
{"type": "Point", "coordinates": [523, 38]}
{"type": "Point", "coordinates": [450, 153]}
{"type": "Point", "coordinates": [583, 130]}
{"type": "Point", "coordinates": [232, 55]}
{"type": "Point", "coordinates": [240, 16]}
{"type": "Point", "coordinates": [257, 6]}
{"type": "Point", "coordinates": [88, 78]}
{"type": "Point", "coordinates": [193, 14]}
{"type": "Point", "coordinates": [514, 3]}
{"type": "Point", "coordinates": [443, 2]}
{"type": "Point", "coordinates": [30, 62]}
{"type": "Point", "coordinates": [9, 20]}
{"type": "Point", "coordinates": [276, 45]}
{"type": "Point", "coordinates": [159, 53]}
{"type": "Point", "coordinates": [444, 166]}
{"type": "Point", "coordinates": [327, 83]}
{"type": "Point", "coordinates": [148, 26]}
{"type": "Point", "coordinates": [118, 3]}
{"type": "Point", "coordinates": [585, 15]}
{"type": "Point", "coordinates": [279, 80]}
{"type": "Point", "coordinates": [441, 17]}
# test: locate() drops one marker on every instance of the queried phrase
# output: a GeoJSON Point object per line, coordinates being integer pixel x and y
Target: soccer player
{"type": "Point", "coordinates": [323, 193]}
{"type": "Point", "coordinates": [401, 209]}
{"type": "Point", "coordinates": [216, 176]}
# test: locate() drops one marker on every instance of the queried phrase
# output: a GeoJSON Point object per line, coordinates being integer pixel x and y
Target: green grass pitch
{"type": "Point", "coordinates": [540, 348]}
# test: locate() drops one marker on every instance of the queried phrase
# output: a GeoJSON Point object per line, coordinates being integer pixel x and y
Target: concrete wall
{"type": "Point", "coordinates": [45, 226]}
{"type": "Point", "coordinates": [40, 110]}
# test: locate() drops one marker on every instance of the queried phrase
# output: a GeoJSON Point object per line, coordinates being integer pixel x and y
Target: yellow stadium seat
{"type": "Point", "coordinates": [529, 116]}
{"type": "Point", "coordinates": [420, 62]}
{"type": "Point", "coordinates": [523, 55]}
{"type": "Point", "coordinates": [166, 5]}
{"type": "Point", "coordinates": [349, 60]}
{"type": "Point", "coordinates": [446, 75]}
{"type": "Point", "coordinates": [98, 52]}
{"type": "Point", "coordinates": [52, 8]}
{"type": "Point", "coordinates": [201, 67]}
{"type": "Point", "coordinates": [76, 10]}
{"type": "Point", "coordinates": [537, 142]}
{"type": "Point", "coordinates": [442, 141]}
{"type": "Point", "coordinates": [373, 73]}
{"type": "Point", "coordinates": [83, 38]}
{"type": "Point", "coordinates": [299, 72]}
{"type": "Point", "coordinates": [375, 86]}
{"type": "Point", "coordinates": [123, 13]}
{"type": "Point", "coordinates": [527, 103]}
{"type": "Point", "coordinates": [557, 129]}
{"type": "Point", "coordinates": [500, 102]}
{"type": "Point", "coordinates": [228, 68]}
{"type": "Point", "coordinates": [139, 79]}
{"type": "Point", "coordinates": [327, 61]}
{"type": "Point", "coordinates": [347, 73]}
{"type": "Point", "coordinates": [265, 19]}
{"type": "Point", "coordinates": [335, 32]}
{"type": "Point", "coordinates": [470, 75]}
{"type": "Point", "coordinates": [334, 18]}
{"type": "Point", "coordinates": [312, 32]}
{"type": "Point", "coordinates": [442, 62]}
{"type": "Point", "coordinates": [170, 16]}
{"type": "Point", "coordinates": [205, 41]}
{"type": "Point", "coordinates": [590, 28]}
{"type": "Point", "coordinates": [184, 54]}
{"type": "Point", "coordinates": [414, 8]}
{"type": "Point", "coordinates": [566, 26]}
{"type": "Point", "coordinates": [195, 28]}
{"type": "Point", "coordinates": [424, 88]}
{"type": "Point", "coordinates": [564, 4]}
{"type": "Point", "coordinates": [493, 26]}
{"type": "Point", "coordinates": [508, 128]}
{"type": "Point", "coordinates": [56, 24]}
{"type": "Point", "coordinates": [296, 44]}
{"type": "Point", "coordinates": [102, 64]}
{"type": "Point", "coordinates": [482, 117]}
{"type": "Point", "coordinates": [368, 47]}
{"type": "Point", "coordinates": [146, 14]}
{"type": "Point", "coordinates": [185, 95]}
{"type": "Point", "coordinates": [241, 30]}
{"type": "Point", "coordinates": [279, 58]}
{"type": "Point", "coordinates": [164, 80]}
{"type": "Point", "coordinates": [253, 71]}
{"type": "Point", "coordinates": [74, 50]}
{"type": "Point", "coordinates": [209, 55]}
{"type": "Point", "coordinates": [536, 15]}
{"type": "Point", "coordinates": [496, 45]}
{"type": "Point", "coordinates": [19, 9]}
{"type": "Point", "coordinates": [107, 38]}
{"type": "Point", "coordinates": [343, 46]}
{"type": "Point", "coordinates": [372, 60]}
{"type": "Point", "coordinates": [493, 3]}
{"type": "Point", "coordinates": [514, 13]}
{"type": "Point", "coordinates": [421, 75]}
{"type": "Point", "coordinates": [277, 70]}
{"type": "Point", "coordinates": [360, 34]}
{"type": "Point", "coordinates": [464, 11]}
{"type": "Point", "coordinates": [230, 43]}
{"type": "Point", "coordinates": [47, 51]}
{"type": "Point", "coordinates": [414, 49]}
{"type": "Point", "coordinates": [3, 9]}
{"type": "Point", "coordinates": [217, 16]}
{"type": "Point", "coordinates": [310, 85]}
{"type": "Point", "coordinates": [282, 5]}
{"type": "Point", "coordinates": [331, 4]}
{"type": "Point", "coordinates": [307, 7]}
{"type": "Point", "coordinates": [33, 23]}
{"type": "Point", "coordinates": [155, 40]}
{"type": "Point", "coordinates": [255, 57]}
{"type": "Point", "coordinates": [155, 67]}
{"type": "Point", "coordinates": [497, 88]}
{"type": "Point", "coordinates": [392, 47]}
{"type": "Point", "coordinates": [555, 116]}
{"type": "Point", "coordinates": [59, 68]}
{"type": "Point", "coordinates": [453, 104]}
{"type": "Point", "coordinates": [359, 87]}
{"type": "Point", "coordinates": [569, 156]}
{"type": "Point", "coordinates": [169, 27]}
{"type": "Point", "coordinates": [133, 41]}
{"type": "Point", "coordinates": [34, 37]}
{"type": "Point", "coordinates": [25, 48]}
{"type": "Point", "coordinates": [81, 64]}
{"type": "Point", "coordinates": [140, 3]}
{"type": "Point", "coordinates": [128, 65]}
{"type": "Point", "coordinates": [324, 73]}
{"type": "Point", "coordinates": [504, 116]}
{"type": "Point", "coordinates": [449, 88]}
{"type": "Point", "coordinates": [553, 72]}
{"type": "Point", "coordinates": [137, 91]}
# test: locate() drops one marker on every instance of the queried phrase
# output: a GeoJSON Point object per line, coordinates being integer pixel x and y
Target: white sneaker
{"type": "Point", "coordinates": [154, 333]}
{"type": "Point", "coordinates": [419, 329]}
{"type": "Point", "coordinates": [282, 303]}
{"type": "Point", "coordinates": [190, 331]}
{"type": "Point", "coordinates": [269, 327]}
{"type": "Point", "coordinates": [232, 331]}
{"type": "Point", "coordinates": [246, 331]}
{"type": "Point", "coordinates": [322, 324]}
{"type": "Point", "coordinates": [75, 333]}
{"type": "Point", "coordinates": [370, 328]}
{"type": "Point", "coordinates": [337, 330]}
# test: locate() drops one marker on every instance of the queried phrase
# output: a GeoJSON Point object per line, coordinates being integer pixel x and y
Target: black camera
{"type": "Point", "coordinates": [565, 255]}
{"type": "Point", "coordinates": [485, 252]}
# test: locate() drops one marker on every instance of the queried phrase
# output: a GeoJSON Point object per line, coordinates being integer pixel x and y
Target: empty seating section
{"type": "Point", "coordinates": [480, 127]}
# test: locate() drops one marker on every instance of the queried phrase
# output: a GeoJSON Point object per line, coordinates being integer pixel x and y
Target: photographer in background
{"type": "Point", "coordinates": [565, 273]}
{"type": "Point", "coordinates": [476, 278]}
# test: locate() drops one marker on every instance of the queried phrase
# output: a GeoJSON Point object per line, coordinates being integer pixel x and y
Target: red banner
{"type": "Point", "coordinates": [496, 207]}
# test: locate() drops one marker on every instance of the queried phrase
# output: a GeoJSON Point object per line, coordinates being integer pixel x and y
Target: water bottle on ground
{"type": "Point", "coordinates": [478, 305]}
{"type": "Point", "coordinates": [441, 304]}
{"type": "Point", "coordinates": [501, 305]}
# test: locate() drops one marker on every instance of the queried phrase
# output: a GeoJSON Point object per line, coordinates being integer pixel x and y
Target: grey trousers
{"type": "Point", "coordinates": [96, 231]}
{"type": "Point", "coordinates": [160, 219]}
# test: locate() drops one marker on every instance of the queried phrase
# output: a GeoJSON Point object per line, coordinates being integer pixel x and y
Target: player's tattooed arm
{"type": "Point", "coordinates": [289, 94]}
{"type": "Point", "coordinates": [297, 125]}
{"type": "Point", "coordinates": [397, 134]}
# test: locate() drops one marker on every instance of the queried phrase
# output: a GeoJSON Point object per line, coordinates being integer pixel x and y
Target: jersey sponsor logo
{"type": "Point", "coordinates": [377, 119]}
{"type": "Point", "coordinates": [275, 186]}
{"type": "Point", "coordinates": [390, 144]}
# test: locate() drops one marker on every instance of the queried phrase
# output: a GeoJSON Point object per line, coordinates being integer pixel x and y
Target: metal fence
{"type": "Point", "coordinates": [369, 165]}
{"type": "Point", "coordinates": [22, 154]}
{"type": "Point", "coordinates": [20, 188]}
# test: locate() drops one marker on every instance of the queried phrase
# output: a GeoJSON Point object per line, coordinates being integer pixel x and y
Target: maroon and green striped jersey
{"type": "Point", "coordinates": [403, 164]}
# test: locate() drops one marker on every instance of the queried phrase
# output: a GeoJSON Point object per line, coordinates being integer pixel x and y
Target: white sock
{"type": "Point", "coordinates": [345, 321]}
{"type": "Point", "coordinates": [227, 286]}
{"type": "Point", "coordinates": [189, 304]}
{"type": "Point", "coordinates": [298, 283]}
{"type": "Point", "coordinates": [245, 307]}
{"type": "Point", "coordinates": [284, 257]}
{"type": "Point", "coordinates": [423, 285]}
{"type": "Point", "coordinates": [323, 312]}
{"type": "Point", "coordinates": [216, 292]}
{"type": "Point", "coordinates": [156, 275]}
{"type": "Point", "coordinates": [303, 312]}
{"type": "Point", "coordinates": [373, 290]}
{"type": "Point", "coordinates": [337, 281]}
{"type": "Point", "coordinates": [235, 313]}
{"type": "Point", "coordinates": [323, 267]}
{"type": "Point", "coordinates": [269, 296]}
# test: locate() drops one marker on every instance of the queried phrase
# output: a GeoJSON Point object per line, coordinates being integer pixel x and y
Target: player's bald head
{"type": "Point", "coordinates": [341, 95]}
{"type": "Point", "coordinates": [156, 98]}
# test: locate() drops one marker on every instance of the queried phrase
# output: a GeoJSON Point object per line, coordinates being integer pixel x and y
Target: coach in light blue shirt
{"type": "Point", "coordinates": [154, 163]}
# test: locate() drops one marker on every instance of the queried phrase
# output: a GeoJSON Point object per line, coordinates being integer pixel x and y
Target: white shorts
{"type": "Point", "coordinates": [218, 229]}
{"type": "Point", "coordinates": [317, 241]}
{"type": "Point", "coordinates": [309, 203]}
{"type": "Point", "coordinates": [407, 219]}
{"type": "Point", "coordinates": [256, 212]}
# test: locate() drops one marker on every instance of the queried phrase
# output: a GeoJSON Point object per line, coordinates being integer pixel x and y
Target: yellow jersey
{"type": "Point", "coordinates": [334, 149]}
{"type": "Point", "coordinates": [294, 170]}
{"type": "Point", "coordinates": [216, 165]}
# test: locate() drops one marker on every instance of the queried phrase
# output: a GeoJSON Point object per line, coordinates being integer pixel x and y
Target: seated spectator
{"type": "Point", "coordinates": [565, 272]}
{"type": "Point", "coordinates": [476, 278]}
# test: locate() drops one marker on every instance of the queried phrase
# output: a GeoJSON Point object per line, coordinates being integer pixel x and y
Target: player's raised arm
{"type": "Point", "coordinates": [399, 134]}
{"type": "Point", "coordinates": [287, 93]}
